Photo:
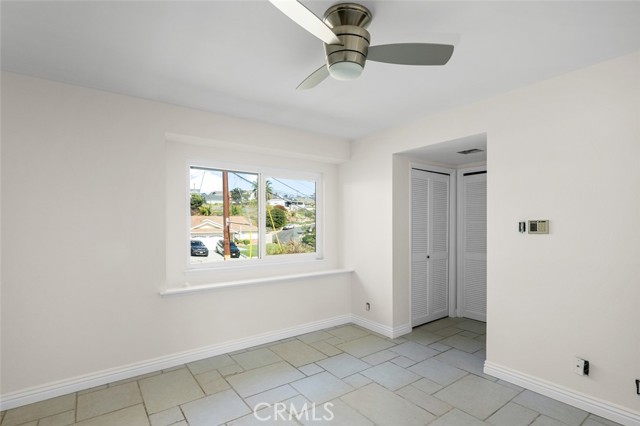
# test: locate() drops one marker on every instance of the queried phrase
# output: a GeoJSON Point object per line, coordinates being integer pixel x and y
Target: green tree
{"type": "Point", "coordinates": [268, 186]}
{"type": "Point", "coordinates": [236, 195]}
{"type": "Point", "coordinates": [310, 238]}
{"type": "Point", "coordinates": [197, 200]}
{"type": "Point", "coordinates": [236, 210]}
{"type": "Point", "coordinates": [289, 248]}
{"type": "Point", "coordinates": [276, 218]}
{"type": "Point", "coordinates": [205, 210]}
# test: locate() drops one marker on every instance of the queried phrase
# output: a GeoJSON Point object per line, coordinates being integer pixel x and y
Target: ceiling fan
{"type": "Point", "coordinates": [346, 42]}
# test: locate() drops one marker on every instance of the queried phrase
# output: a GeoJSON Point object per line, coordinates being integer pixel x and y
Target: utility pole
{"type": "Point", "coordinates": [225, 215]}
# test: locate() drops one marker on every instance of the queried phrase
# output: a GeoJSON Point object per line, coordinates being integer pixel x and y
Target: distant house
{"type": "Point", "coordinates": [307, 201]}
{"type": "Point", "coordinates": [212, 226]}
{"type": "Point", "coordinates": [295, 205]}
{"type": "Point", "coordinates": [277, 202]}
{"type": "Point", "coordinates": [213, 198]}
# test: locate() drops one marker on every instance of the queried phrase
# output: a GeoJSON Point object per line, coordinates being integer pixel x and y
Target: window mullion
{"type": "Point", "coordinates": [262, 212]}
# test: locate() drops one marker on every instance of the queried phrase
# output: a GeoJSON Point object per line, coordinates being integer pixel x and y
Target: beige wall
{"type": "Point", "coordinates": [84, 235]}
{"type": "Point", "coordinates": [566, 150]}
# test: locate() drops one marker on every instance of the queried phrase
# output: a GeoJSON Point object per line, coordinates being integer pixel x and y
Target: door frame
{"type": "Point", "coordinates": [453, 243]}
{"type": "Point", "coordinates": [459, 239]}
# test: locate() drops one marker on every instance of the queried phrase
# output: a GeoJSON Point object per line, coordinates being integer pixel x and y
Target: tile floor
{"type": "Point", "coordinates": [343, 376]}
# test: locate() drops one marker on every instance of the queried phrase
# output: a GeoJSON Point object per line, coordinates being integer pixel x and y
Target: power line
{"type": "Point", "coordinates": [290, 187]}
{"type": "Point", "coordinates": [243, 178]}
{"type": "Point", "coordinates": [253, 184]}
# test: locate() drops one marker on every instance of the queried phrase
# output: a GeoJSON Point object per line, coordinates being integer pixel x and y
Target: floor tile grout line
{"type": "Point", "coordinates": [356, 409]}
{"type": "Point", "coordinates": [75, 414]}
{"type": "Point", "coordinates": [144, 404]}
{"type": "Point", "coordinates": [355, 388]}
{"type": "Point", "coordinates": [193, 376]}
{"type": "Point", "coordinates": [503, 405]}
{"type": "Point", "coordinates": [535, 418]}
{"type": "Point", "coordinates": [104, 414]}
{"type": "Point", "coordinates": [184, 415]}
{"type": "Point", "coordinates": [252, 410]}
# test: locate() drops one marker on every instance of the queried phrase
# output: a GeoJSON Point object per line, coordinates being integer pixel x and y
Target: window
{"type": "Point", "coordinates": [241, 216]}
{"type": "Point", "coordinates": [291, 207]}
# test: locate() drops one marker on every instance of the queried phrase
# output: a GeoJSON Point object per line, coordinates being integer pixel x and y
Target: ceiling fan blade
{"type": "Point", "coordinates": [306, 19]}
{"type": "Point", "coordinates": [411, 53]}
{"type": "Point", "coordinates": [315, 78]}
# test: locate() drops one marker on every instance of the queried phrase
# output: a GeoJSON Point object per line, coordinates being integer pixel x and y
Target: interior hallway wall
{"type": "Point", "coordinates": [566, 150]}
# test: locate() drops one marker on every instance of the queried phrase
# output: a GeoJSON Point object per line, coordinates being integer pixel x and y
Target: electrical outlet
{"type": "Point", "coordinates": [581, 367]}
{"type": "Point", "coordinates": [367, 306]}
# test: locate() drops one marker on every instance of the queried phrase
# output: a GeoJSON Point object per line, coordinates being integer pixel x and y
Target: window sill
{"type": "Point", "coordinates": [252, 264]}
{"type": "Point", "coordinates": [257, 281]}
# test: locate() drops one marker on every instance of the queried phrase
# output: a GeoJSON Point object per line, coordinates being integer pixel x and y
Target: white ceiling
{"type": "Point", "coordinates": [448, 153]}
{"type": "Point", "coordinates": [245, 58]}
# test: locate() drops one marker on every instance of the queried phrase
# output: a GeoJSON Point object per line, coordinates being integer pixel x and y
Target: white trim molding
{"type": "Point", "coordinates": [256, 281]}
{"type": "Point", "coordinates": [593, 405]}
{"type": "Point", "coordinates": [75, 384]}
{"type": "Point", "coordinates": [385, 330]}
{"type": "Point", "coordinates": [79, 383]}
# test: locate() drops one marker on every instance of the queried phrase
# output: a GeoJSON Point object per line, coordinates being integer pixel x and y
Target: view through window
{"type": "Point", "coordinates": [226, 219]}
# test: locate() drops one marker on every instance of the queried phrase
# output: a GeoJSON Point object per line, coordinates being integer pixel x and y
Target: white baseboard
{"type": "Point", "coordinates": [79, 383]}
{"type": "Point", "coordinates": [593, 405]}
{"type": "Point", "coordinates": [75, 384]}
{"type": "Point", "coordinates": [385, 330]}
{"type": "Point", "coordinates": [401, 330]}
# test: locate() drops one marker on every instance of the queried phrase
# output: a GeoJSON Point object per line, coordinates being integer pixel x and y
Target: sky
{"type": "Point", "coordinates": [207, 181]}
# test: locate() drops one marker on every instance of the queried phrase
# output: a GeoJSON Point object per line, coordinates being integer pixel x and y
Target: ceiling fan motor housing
{"type": "Point", "coordinates": [354, 49]}
{"type": "Point", "coordinates": [347, 14]}
{"type": "Point", "coordinates": [348, 21]}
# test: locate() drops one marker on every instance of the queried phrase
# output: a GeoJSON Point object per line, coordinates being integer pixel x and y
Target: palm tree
{"type": "Point", "coordinates": [268, 189]}
{"type": "Point", "coordinates": [268, 186]}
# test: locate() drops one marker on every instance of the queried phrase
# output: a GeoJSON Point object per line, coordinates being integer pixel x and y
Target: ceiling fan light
{"type": "Point", "coordinates": [345, 70]}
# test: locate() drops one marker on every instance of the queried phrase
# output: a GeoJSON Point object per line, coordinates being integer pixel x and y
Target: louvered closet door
{"type": "Point", "coordinates": [473, 262]}
{"type": "Point", "coordinates": [429, 246]}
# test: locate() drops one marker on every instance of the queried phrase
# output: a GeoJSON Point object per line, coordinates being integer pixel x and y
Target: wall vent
{"type": "Point", "coordinates": [470, 151]}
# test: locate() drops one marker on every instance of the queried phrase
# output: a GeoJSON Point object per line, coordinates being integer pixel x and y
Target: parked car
{"type": "Point", "coordinates": [234, 251]}
{"type": "Point", "coordinates": [289, 226]}
{"type": "Point", "coordinates": [198, 248]}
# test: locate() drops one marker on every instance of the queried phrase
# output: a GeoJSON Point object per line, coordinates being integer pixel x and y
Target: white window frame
{"type": "Point", "coordinates": [263, 172]}
{"type": "Point", "coordinates": [180, 276]}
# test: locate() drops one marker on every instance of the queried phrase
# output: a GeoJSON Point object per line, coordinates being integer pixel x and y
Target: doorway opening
{"type": "Point", "coordinates": [448, 230]}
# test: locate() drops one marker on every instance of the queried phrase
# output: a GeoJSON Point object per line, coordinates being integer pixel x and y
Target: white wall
{"type": "Point", "coordinates": [566, 150]}
{"type": "Point", "coordinates": [364, 190]}
{"type": "Point", "coordinates": [83, 235]}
